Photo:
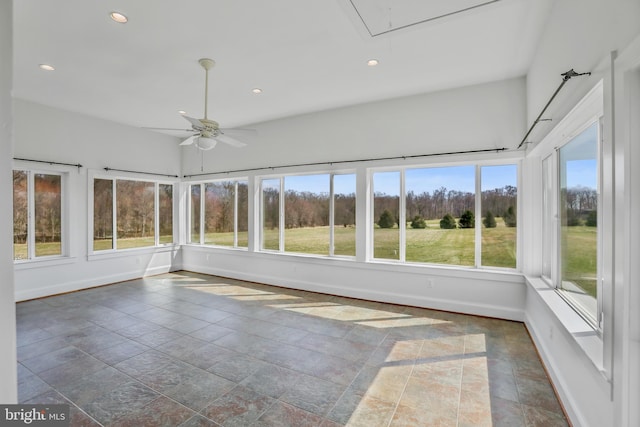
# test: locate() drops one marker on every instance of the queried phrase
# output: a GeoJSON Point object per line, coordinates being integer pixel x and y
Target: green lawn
{"type": "Point", "coordinates": [429, 245]}
{"type": "Point", "coordinates": [579, 246]}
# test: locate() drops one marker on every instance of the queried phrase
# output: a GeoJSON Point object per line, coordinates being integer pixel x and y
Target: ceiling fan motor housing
{"type": "Point", "coordinates": [210, 125]}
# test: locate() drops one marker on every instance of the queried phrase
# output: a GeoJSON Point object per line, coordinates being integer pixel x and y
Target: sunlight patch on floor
{"type": "Point", "coordinates": [403, 322]}
{"type": "Point", "coordinates": [346, 313]}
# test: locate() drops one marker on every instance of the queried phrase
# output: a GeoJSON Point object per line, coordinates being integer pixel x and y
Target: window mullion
{"type": "Point", "coordinates": [331, 216]}
{"type": "Point", "coordinates": [402, 218]}
{"type": "Point", "coordinates": [203, 196]}
{"type": "Point", "coordinates": [114, 216]}
{"type": "Point", "coordinates": [478, 217]}
{"type": "Point", "coordinates": [31, 217]}
{"type": "Point", "coordinates": [235, 214]}
{"type": "Point", "coordinates": [281, 217]}
{"type": "Point", "coordinates": [156, 214]}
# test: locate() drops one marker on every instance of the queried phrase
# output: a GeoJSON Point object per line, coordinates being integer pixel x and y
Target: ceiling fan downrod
{"type": "Point", "coordinates": [207, 64]}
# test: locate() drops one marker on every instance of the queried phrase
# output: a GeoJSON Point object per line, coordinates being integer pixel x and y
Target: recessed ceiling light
{"type": "Point", "coordinates": [182, 112]}
{"type": "Point", "coordinates": [372, 62]}
{"type": "Point", "coordinates": [118, 17]}
{"type": "Point", "coordinates": [256, 90]}
{"type": "Point", "coordinates": [46, 67]}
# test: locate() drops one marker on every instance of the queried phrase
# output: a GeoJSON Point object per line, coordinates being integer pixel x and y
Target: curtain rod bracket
{"type": "Point", "coordinates": [566, 76]}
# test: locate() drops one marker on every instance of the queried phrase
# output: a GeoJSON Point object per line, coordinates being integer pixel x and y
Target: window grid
{"type": "Point", "coordinates": [97, 248]}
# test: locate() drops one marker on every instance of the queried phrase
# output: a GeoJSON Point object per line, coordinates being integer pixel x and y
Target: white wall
{"type": "Point", "coordinates": [579, 35]}
{"type": "Point", "coordinates": [44, 133]}
{"type": "Point", "coordinates": [470, 118]}
{"type": "Point", "coordinates": [8, 385]}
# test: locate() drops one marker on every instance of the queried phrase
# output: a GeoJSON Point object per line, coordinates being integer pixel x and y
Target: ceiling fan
{"type": "Point", "coordinates": [207, 133]}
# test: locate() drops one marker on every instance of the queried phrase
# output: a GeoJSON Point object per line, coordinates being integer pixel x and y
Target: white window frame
{"type": "Point", "coordinates": [281, 218]}
{"type": "Point", "coordinates": [477, 212]}
{"type": "Point", "coordinates": [156, 215]}
{"type": "Point", "coordinates": [588, 111]}
{"type": "Point", "coordinates": [202, 185]}
{"type": "Point", "coordinates": [65, 246]}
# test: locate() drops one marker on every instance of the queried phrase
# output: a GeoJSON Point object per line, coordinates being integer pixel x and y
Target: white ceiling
{"type": "Point", "coordinates": [306, 55]}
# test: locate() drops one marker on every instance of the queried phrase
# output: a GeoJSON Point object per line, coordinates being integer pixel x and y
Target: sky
{"type": "Point", "coordinates": [579, 157]}
{"type": "Point", "coordinates": [460, 178]}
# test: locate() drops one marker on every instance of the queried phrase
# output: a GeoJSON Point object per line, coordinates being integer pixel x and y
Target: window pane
{"type": "Point", "coordinates": [102, 214]}
{"type": "Point", "coordinates": [135, 204]}
{"type": "Point", "coordinates": [306, 214]}
{"type": "Point", "coordinates": [165, 213]}
{"type": "Point", "coordinates": [48, 214]}
{"type": "Point", "coordinates": [243, 214]}
{"type": "Point", "coordinates": [499, 216]}
{"type": "Point", "coordinates": [344, 214]}
{"type": "Point", "coordinates": [219, 204]}
{"type": "Point", "coordinates": [445, 199]}
{"type": "Point", "coordinates": [20, 215]}
{"type": "Point", "coordinates": [195, 214]}
{"type": "Point", "coordinates": [579, 219]}
{"type": "Point", "coordinates": [386, 208]}
{"type": "Point", "coordinates": [271, 214]}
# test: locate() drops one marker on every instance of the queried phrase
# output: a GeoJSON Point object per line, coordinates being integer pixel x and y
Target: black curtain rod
{"type": "Point", "coordinates": [565, 78]}
{"type": "Point", "coordinates": [488, 150]}
{"type": "Point", "coordinates": [143, 173]}
{"type": "Point", "coordinates": [78, 165]}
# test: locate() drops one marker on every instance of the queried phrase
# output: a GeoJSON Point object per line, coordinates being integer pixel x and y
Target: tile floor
{"type": "Point", "coordinates": [185, 349]}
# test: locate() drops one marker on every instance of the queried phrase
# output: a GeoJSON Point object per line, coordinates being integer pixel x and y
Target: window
{"type": "Point", "coordinates": [196, 208]}
{"type": "Point", "coordinates": [316, 215]}
{"type": "Point", "coordinates": [37, 215]}
{"type": "Point", "coordinates": [444, 198]}
{"type": "Point", "coordinates": [165, 213]}
{"type": "Point", "coordinates": [578, 215]}
{"type": "Point", "coordinates": [574, 232]}
{"type": "Point", "coordinates": [135, 208]}
{"type": "Point", "coordinates": [270, 214]}
{"type": "Point", "coordinates": [344, 215]}
{"type": "Point", "coordinates": [499, 215]}
{"type": "Point", "coordinates": [140, 212]}
{"type": "Point", "coordinates": [102, 214]}
{"type": "Point", "coordinates": [221, 217]}
{"type": "Point", "coordinates": [306, 214]}
{"type": "Point", "coordinates": [386, 211]}
{"type": "Point", "coordinates": [443, 222]}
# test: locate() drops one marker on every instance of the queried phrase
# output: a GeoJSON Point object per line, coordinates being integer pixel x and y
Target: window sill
{"type": "Point", "coordinates": [581, 331]}
{"type": "Point", "coordinates": [133, 251]}
{"type": "Point", "coordinates": [42, 262]}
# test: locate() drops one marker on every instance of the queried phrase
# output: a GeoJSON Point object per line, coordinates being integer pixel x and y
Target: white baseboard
{"type": "Point", "coordinates": [61, 288]}
{"type": "Point", "coordinates": [366, 294]}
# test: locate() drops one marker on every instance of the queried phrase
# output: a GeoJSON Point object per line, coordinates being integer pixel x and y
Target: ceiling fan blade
{"type": "Point", "coordinates": [197, 124]}
{"type": "Point", "coordinates": [189, 140]}
{"type": "Point", "coordinates": [174, 129]}
{"type": "Point", "coordinates": [231, 141]}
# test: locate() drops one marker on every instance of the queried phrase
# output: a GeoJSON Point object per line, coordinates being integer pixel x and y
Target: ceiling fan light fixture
{"type": "Point", "coordinates": [182, 112]}
{"type": "Point", "coordinates": [256, 90]}
{"type": "Point", "coordinates": [118, 17]}
{"type": "Point", "coordinates": [46, 67]}
{"type": "Point", "coordinates": [206, 144]}
{"type": "Point", "coordinates": [372, 62]}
